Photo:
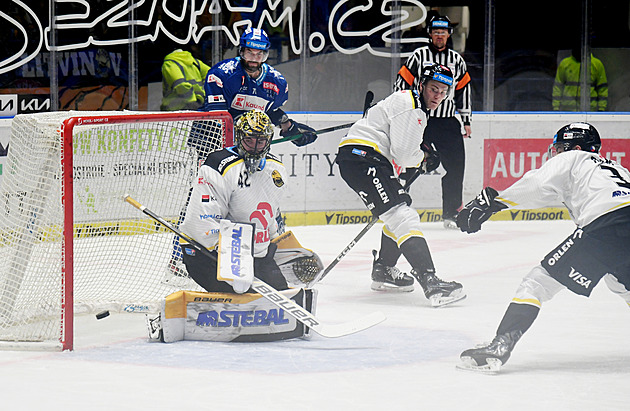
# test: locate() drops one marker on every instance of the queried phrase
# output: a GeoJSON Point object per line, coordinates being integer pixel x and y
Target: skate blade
{"type": "Point", "coordinates": [383, 287]}
{"type": "Point", "coordinates": [438, 300]}
{"type": "Point", "coordinates": [492, 366]}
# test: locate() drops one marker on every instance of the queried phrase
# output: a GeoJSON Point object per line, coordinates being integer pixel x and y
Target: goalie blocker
{"type": "Point", "coordinates": [225, 317]}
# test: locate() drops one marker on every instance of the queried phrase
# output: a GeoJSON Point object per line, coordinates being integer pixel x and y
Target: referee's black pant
{"type": "Point", "coordinates": [446, 135]}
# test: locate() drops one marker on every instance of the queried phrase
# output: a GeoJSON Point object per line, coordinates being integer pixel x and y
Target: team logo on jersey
{"type": "Point", "coordinates": [277, 178]}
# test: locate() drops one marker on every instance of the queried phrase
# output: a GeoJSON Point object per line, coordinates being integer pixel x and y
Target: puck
{"type": "Point", "coordinates": [102, 315]}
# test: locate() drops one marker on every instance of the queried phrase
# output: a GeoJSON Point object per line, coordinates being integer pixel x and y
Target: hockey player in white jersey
{"type": "Point", "coordinates": [242, 184]}
{"type": "Point", "coordinates": [596, 192]}
{"type": "Point", "coordinates": [377, 147]}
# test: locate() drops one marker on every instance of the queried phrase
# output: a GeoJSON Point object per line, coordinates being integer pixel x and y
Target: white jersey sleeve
{"type": "Point", "coordinates": [586, 183]}
{"type": "Point", "coordinates": [394, 127]}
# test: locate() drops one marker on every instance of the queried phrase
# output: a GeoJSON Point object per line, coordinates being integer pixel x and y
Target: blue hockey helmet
{"type": "Point", "coordinates": [255, 39]}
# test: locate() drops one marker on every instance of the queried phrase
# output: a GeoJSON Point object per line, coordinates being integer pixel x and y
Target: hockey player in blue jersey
{"type": "Point", "coordinates": [246, 83]}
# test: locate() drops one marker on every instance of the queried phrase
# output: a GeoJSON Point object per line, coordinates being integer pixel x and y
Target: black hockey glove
{"type": "Point", "coordinates": [431, 159]}
{"type": "Point", "coordinates": [308, 134]}
{"type": "Point", "coordinates": [478, 211]}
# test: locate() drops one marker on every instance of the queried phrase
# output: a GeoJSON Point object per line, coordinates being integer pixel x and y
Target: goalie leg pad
{"type": "Point", "coordinates": [189, 315]}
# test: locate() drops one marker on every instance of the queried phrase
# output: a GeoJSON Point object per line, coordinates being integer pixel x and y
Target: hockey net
{"type": "Point", "coordinates": [69, 244]}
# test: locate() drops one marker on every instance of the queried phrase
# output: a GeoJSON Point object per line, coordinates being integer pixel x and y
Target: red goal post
{"type": "Point", "coordinates": [69, 244]}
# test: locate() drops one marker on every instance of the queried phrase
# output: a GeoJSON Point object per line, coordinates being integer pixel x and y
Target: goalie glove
{"type": "Point", "coordinates": [479, 210]}
{"type": "Point", "coordinates": [308, 134]}
{"type": "Point", "coordinates": [431, 159]}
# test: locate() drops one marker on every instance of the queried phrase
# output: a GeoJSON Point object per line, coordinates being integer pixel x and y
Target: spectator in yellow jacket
{"type": "Point", "coordinates": [183, 77]}
{"type": "Point", "coordinates": [566, 87]}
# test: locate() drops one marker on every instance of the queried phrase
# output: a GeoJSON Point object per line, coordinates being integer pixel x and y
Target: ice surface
{"type": "Point", "coordinates": [575, 356]}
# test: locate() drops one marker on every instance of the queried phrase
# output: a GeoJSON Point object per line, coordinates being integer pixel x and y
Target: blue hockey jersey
{"type": "Point", "coordinates": [228, 87]}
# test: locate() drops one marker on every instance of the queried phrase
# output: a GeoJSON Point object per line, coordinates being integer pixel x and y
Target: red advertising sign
{"type": "Point", "coordinates": [506, 160]}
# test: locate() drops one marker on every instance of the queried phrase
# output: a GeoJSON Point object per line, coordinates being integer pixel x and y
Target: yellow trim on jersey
{"type": "Point", "coordinates": [506, 202]}
{"type": "Point", "coordinates": [274, 160]}
{"type": "Point", "coordinates": [360, 142]}
{"type": "Point", "coordinates": [389, 234]}
{"type": "Point", "coordinates": [622, 205]}
{"type": "Point", "coordinates": [413, 99]}
{"type": "Point", "coordinates": [529, 301]}
{"type": "Point", "coordinates": [413, 233]}
{"type": "Point", "coordinates": [229, 166]}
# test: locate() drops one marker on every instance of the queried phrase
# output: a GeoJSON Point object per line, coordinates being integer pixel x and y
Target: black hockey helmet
{"type": "Point", "coordinates": [576, 134]}
{"type": "Point", "coordinates": [438, 73]}
{"type": "Point", "coordinates": [440, 22]}
{"type": "Point", "coordinates": [253, 132]}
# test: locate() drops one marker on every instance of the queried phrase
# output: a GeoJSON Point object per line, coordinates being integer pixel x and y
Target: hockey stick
{"type": "Point", "coordinates": [299, 313]}
{"type": "Point", "coordinates": [367, 103]}
{"type": "Point", "coordinates": [359, 236]}
{"type": "Point", "coordinates": [322, 131]}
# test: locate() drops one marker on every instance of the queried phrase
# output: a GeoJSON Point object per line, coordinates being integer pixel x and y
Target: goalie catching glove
{"type": "Point", "coordinates": [308, 134]}
{"type": "Point", "coordinates": [479, 210]}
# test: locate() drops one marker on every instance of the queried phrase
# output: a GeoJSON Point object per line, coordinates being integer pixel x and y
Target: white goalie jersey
{"type": "Point", "coordinates": [224, 189]}
{"type": "Point", "coordinates": [394, 127]}
{"type": "Point", "coordinates": [588, 184]}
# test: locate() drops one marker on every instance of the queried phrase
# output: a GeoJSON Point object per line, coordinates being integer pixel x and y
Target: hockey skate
{"type": "Point", "coordinates": [488, 358]}
{"type": "Point", "coordinates": [438, 292]}
{"type": "Point", "coordinates": [450, 224]}
{"type": "Point", "coordinates": [391, 279]}
{"type": "Point", "coordinates": [154, 325]}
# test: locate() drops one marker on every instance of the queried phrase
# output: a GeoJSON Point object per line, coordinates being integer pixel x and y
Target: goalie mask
{"type": "Point", "coordinates": [253, 132]}
{"type": "Point", "coordinates": [575, 134]}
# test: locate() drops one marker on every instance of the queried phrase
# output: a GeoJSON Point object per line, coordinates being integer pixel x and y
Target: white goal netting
{"type": "Point", "coordinates": [67, 237]}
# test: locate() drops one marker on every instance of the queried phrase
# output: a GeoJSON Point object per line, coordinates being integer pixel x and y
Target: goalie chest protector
{"type": "Point", "coordinates": [199, 316]}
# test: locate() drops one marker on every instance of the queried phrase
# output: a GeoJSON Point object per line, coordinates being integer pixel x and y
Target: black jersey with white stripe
{"type": "Point", "coordinates": [409, 77]}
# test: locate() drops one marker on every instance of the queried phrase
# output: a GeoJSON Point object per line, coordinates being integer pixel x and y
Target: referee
{"type": "Point", "coordinates": [444, 130]}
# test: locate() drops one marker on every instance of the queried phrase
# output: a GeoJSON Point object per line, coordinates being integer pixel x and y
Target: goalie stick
{"type": "Point", "coordinates": [359, 236]}
{"type": "Point", "coordinates": [299, 313]}
{"type": "Point", "coordinates": [367, 103]}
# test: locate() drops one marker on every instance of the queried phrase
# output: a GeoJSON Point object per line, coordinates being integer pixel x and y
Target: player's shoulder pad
{"type": "Point", "coordinates": [276, 75]}
{"type": "Point", "coordinates": [226, 68]}
{"type": "Point", "coordinates": [222, 160]}
{"type": "Point", "coordinates": [271, 157]}
{"type": "Point", "coordinates": [406, 99]}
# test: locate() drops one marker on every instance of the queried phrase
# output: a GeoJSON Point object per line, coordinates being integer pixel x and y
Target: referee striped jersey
{"type": "Point", "coordinates": [409, 77]}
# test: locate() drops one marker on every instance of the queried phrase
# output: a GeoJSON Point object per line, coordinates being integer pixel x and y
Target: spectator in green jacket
{"type": "Point", "coordinates": [183, 77]}
{"type": "Point", "coordinates": [566, 88]}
